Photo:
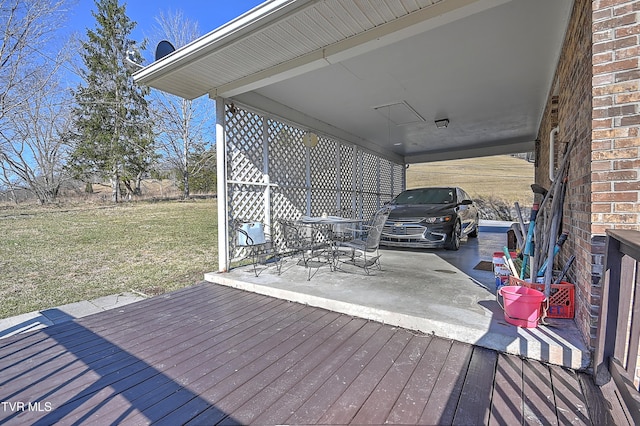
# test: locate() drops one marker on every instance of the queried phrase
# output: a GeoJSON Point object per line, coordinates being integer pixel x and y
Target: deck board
{"type": "Point", "coordinates": [211, 354]}
{"type": "Point", "coordinates": [377, 407]}
{"type": "Point", "coordinates": [507, 399]}
{"type": "Point", "coordinates": [570, 404]}
{"type": "Point", "coordinates": [297, 388]}
{"type": "Point", "coordinates": [441, 406]}
{"type": "Point", "coordinates": [410, 403]}
{"type": "Point", "coordinates": [475, 398]}
{"type": "Point", "coordinates": [538, 394]}
{"type": "Point", "coordinates": [343, 410]}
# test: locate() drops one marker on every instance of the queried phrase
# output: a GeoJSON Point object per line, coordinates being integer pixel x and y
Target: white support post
{"type": "Point", "coordinates": [379, 167]}
{"type": "Point", "coordinates": [339, 176]}
{"type": "Point", "coordinates": [404, 178]}
{"type": "Point", "coordinates": [223, 205]}
{"type": "Point", "coordinates": [307, 156]}
{"type": "Point", "coordinates": [265, 174]}
{"type": "Point", "coordinates": [357, 180]}
{"type": "Point", "coordinates": [393, 180]}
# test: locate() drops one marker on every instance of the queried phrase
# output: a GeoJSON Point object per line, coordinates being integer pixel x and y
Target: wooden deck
{"type": "Point", "coordinates": [212, 354]}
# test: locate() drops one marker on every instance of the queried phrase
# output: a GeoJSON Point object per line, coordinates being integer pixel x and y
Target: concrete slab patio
{"type": "Point", "coordinates": [432, 291]}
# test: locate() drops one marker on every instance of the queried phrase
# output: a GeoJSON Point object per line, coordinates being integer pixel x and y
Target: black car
{"type": "Point", "coordinates": [430, 218]}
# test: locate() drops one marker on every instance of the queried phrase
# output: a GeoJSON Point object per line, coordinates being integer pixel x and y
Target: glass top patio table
{"type": "Point", "coordinates": [327, 220]}
{"type": "Point", "coordinates": [332, 229]}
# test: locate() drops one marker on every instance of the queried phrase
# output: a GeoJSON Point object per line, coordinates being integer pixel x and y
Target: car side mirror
{"type": "Point", "coordinates": [466, 202]}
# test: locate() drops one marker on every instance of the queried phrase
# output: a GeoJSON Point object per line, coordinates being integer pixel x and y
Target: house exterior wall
{"type": "Point", "coordinates": [594, 102]}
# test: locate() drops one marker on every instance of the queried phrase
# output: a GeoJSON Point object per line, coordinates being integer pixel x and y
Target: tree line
{"type": "Point", "coordinates": [70, 110]}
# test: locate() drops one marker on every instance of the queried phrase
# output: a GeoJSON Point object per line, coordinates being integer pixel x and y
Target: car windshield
{"type": "Point", "coordinates": [426, 196]}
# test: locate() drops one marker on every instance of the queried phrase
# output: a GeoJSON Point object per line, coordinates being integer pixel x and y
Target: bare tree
{"type": "Point", "coordinates": [28, 29]}
{"type": "Point", "coordinates": [31, 112]}
{"type": "Point", "coordinates": [35, 152]}
{"type": "Point", "coordinates": [182, 125]}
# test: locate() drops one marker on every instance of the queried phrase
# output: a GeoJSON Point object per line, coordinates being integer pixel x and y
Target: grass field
{"type": "Point", "coordinates": [53, 256]}
{"type": "Point", "coordinates": [501, 176]}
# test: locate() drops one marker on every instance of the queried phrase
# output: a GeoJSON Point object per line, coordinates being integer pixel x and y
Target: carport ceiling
{"type": "Point", "coordinates": [380, 73]}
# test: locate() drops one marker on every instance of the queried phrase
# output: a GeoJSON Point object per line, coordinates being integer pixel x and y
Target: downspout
{"type": "Point", "coordinates": [552, 149]}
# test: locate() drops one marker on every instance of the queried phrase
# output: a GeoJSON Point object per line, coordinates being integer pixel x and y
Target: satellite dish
{"type": "Point", "coordinates": [163, 49]}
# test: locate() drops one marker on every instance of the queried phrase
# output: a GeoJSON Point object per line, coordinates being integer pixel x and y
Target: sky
{"type": "Point", "coordinates": [210, 14]}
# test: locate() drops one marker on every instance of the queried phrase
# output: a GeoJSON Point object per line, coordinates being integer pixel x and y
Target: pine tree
{"type": "Point", "coordinates": [112, 137]}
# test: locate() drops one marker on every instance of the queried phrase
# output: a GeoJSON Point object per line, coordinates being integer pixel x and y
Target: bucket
{"type": "Point", "coordinates": [522, 305]}
{"type": "Point", "coordinates": [497, 258]}
{"type": "Point", "coordinates": [500, 269]}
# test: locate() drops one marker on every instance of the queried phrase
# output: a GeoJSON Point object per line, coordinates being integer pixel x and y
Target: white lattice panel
{"type": "Point", "coordinates": [347, 170]}
{"type": "Point", "coordinates": [287, 156]}
{"type": "Point", "coordinates": [386, 178]}
{"type": "Point", "coordinates": [369, 173]}
{"type": "Point", "coordinates": [246, 203]}
{"type": "Point", "coordinates": [323, 201]}
{"type": "Point", "coordinates": [275, 176]}
{"type": "Point", "coordinates": [244, 146]}
{"type": "Point", "coordinates": [399, 181]}
{"type": "Point", "coordinates": [288, 203]}
{"type": "Point", "coordinates": [370, 205]}
{"type": "Point", "coordinates": [324, 158]}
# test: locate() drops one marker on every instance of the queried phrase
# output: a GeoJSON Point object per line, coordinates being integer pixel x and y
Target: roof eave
{"type": "Point", "coordinates": [259, 16]}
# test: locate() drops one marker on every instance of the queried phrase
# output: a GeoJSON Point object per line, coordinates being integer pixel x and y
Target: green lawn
{"type": "Point", "coordinates": [53, 256]}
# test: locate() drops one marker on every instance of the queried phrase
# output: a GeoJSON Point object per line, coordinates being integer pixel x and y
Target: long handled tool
{"type": "Point", "coordinates": [523, 230]}
{"type": "Point", "coordinates": [565, 269]}
{"type": "Point", "coordinates": [528, 243]}
{"type": "Point", "coordinates": [556, 208]}
{"type": "Point", "coordinates": [556, 249]}
{"type": "Point", "coordinates": [509, 262]}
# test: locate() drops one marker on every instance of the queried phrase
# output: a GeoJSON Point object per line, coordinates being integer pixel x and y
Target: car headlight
{"type": "Point", "coordinates": [438, 219]}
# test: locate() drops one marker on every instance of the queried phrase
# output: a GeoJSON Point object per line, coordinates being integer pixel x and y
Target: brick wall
{"type": "Point", "coordinates": [572, 89]}
{"type": "Point", "coordinates": [616, 116]}
{"type": "Point", "coordinates": [597, 92]}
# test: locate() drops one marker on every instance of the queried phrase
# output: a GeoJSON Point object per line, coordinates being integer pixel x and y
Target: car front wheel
{"type": "Point", "coordinates": [453, 242]}
{"type": "Point", "coordinates": [474, 233]}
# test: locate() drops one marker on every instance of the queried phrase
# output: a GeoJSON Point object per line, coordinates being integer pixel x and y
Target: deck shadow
{"type": "Point", "coordinates": [69, 373]}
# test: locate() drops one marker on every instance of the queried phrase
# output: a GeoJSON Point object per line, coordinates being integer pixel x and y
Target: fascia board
{"type": "Point", "coordinates": [247, 23]}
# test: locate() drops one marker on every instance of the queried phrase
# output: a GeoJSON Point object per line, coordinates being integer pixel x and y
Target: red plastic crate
{"type": "Point", "coordinates": [561, 297]}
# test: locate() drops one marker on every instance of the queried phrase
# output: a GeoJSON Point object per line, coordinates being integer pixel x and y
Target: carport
{"type": "Point", "coordinates": [321, 105]}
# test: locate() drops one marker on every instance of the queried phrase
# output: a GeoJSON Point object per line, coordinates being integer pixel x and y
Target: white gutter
{"type": "Point", "coordinates": [263, 14]}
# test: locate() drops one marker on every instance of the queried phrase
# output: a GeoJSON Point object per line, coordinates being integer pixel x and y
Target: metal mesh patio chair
{"type": "Point", "coordinates": [343, 231]}
{"type": "Point", "coordinates": [304, 240]}
{"type": "Point", "coordinates": [258, 246]}
{"type": "Point", "coordinates": [363, 250]}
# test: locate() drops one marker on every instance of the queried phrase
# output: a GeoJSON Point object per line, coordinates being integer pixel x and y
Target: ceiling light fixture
{"type": "Point", "coordinates": [310, 140]}
{"type": "Point", "coordinates": [441, 124]}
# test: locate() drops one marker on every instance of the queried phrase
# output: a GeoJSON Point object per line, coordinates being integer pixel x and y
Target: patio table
{"type": "Point", "coordinates": [328, 220]}
{"type": "Point", "coordinates": [329, 228]}
{"type": "Point", "coordinates": [329, 225]}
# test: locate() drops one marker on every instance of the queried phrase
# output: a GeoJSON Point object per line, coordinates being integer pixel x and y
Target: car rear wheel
{"type": "Point", "coordinates": [453, 243]}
